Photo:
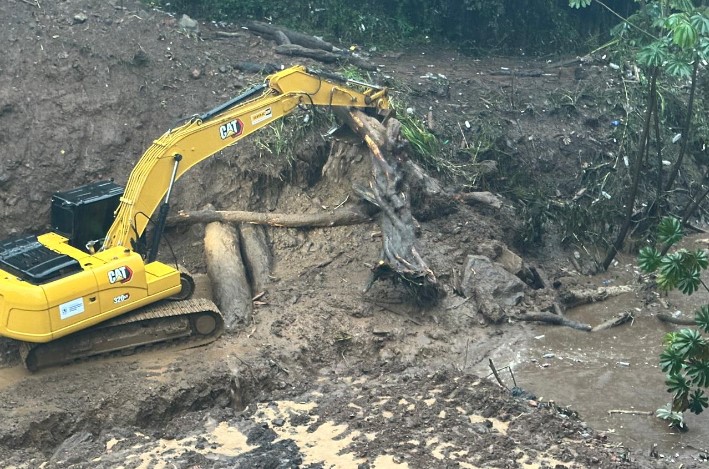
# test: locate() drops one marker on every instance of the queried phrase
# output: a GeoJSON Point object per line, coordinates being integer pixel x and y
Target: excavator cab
{"type": "Point", "coordinates": [84, 215]}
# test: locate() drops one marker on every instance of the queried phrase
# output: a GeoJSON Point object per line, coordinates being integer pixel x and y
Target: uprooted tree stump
{"type": "Point", "coordinates": [388, 191]}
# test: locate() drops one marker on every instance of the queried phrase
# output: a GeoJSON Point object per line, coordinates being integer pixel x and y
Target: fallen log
{"type": "Point", "coordinates": [622, 318]}
{"type": "Point", "coordinates": [305, 220]}
{"type": "Point", "coordinates": [281, 38]}
{"type": "Point", "coordinates": [517, 73]}
{"type": "Point", "coordinates": [300, 51]}
{"type": "Point", "coordinates": [295, 37]}
{"type": "Point", "coordinates": [257, 255]}
{"type": "Point", "coordinates": [664, 317]}
{"type": "Point", "coordinates": [225, 268]}
{"type": "Point", "coordinates": [228, 34]}
{"type": "Point", "coordinates": [549, 318]}
{"type": "Point", "coordinates": [631, 412]}
{"type": "Point", "coordinates": [295, 50]}
{"type": "Point", "coordinates": [571, 297]}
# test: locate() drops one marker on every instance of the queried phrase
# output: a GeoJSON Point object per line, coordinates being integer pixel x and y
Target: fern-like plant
{"type": "Point", "coordinates": [685, 358]}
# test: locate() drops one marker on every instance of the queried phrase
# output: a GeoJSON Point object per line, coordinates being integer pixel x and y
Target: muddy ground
{"type": "Point", "coordinates": [325, 375]}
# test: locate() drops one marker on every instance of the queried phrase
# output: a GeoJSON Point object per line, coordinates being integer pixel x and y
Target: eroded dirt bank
{"type": "Point", "coordinates": [325, 376]}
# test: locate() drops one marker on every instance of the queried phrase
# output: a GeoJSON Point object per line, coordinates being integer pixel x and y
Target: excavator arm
{"type": "Point", "coordinates": [179, 149]}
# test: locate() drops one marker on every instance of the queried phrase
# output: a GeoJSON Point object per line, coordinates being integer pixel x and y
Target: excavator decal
{"type": "Point", "coordinates": [261, 115]}
{"type": "Point", "coordinates": [71, 308]}
{"type": "Point", "coordinates": [121, 274]}
{"type": "Point", "coordinates": [121, 298]}
{"type": "Point", "coordinates": [231, 129]}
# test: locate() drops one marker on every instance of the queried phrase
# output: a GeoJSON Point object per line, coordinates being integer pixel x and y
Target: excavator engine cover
{"type": "Point", "coordinates": [85, 214]}
{"type": "Point", "coordinates": [31, 261]}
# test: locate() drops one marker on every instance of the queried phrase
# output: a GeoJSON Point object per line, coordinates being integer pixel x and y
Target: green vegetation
{"type": "Point", "coordinates": [666, 40]}
{"type": "Point", "coordinates": [482, 27]}
{"type": "Point", "coordinates": [686, 355]}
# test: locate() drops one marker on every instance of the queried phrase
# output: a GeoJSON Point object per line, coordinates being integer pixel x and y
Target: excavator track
{"type": "Point", "coordinates": [193, 322]}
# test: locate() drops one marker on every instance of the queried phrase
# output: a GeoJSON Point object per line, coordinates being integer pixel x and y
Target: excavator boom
{"type": "Point", "coordinates": [218, 129]}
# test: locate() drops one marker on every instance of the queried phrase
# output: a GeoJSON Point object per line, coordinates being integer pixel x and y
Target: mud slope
{"type": "Point", "coordinates": [325, 375]}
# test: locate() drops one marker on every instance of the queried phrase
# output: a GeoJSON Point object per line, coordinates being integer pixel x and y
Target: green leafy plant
{"type": "Point", "coordinates": [675, 419]}
{"type": "Point", "coordinates": [685, 358]}
{"type": "Point", "coordinates": [667, 39]}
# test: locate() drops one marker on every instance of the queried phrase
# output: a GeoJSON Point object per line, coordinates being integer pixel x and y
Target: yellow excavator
{"type": "Point", "coordinates": [94, 285]}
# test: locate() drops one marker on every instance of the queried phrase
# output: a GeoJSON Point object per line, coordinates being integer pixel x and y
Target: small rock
{"type": "Point", "coordinates": [279, 422]}
{"type": "Point", "coordinates": [196, 73]}
{"type": "Point", "coordinates": [80, 18]}
{"type": "Point", "coordinates": [188, 25]}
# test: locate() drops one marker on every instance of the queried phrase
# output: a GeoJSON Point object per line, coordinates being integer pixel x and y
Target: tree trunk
{"type": "Point", "coordinates": [620, 240]}
{"type": "Point", "coordinates": [295, 37]}
{"type": "Point", "coordinates": [686, 130]}
{"type": "Point", "coordinates": [305, 220]}
{"type": "Point", "coordinates": [226, 271]}
{"type": "Point", "coordinates": [256, 254]}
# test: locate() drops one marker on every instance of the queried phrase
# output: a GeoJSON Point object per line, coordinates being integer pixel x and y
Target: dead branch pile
{"type": "Point", "coordinates": [297, 44]}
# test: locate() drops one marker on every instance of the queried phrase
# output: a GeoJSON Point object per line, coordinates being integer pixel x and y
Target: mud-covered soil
{"type": "Point", "coordinates": [325, 375]}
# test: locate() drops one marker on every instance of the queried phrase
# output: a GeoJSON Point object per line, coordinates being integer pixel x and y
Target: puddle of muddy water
{"type": "Point", "coordinates": [615, 369]}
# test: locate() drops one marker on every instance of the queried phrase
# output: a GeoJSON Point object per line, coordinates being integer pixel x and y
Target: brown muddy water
{"type": "Point", "coordinates": [615, 369]}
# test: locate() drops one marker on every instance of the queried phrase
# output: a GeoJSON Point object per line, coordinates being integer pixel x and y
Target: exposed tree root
{"type": "Point", "coordinates": [388, 191]}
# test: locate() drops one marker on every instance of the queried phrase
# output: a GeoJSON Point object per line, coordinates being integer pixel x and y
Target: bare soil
{"type": "Point", "coordinates": [325, 375]}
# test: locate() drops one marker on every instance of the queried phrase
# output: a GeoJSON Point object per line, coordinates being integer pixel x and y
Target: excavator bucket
{"type": "Point", "coordinates": [343, 133]}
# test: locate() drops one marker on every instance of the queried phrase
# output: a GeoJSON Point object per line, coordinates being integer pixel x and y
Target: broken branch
{"type": "Point", "coordinates": [664, 317]}
{"type": "Point", "coordinates": [622, 318]}
{"type": "Point", "coordinates": [549, 318]}
{"type": "Point", "coordinates": [631, 412]}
